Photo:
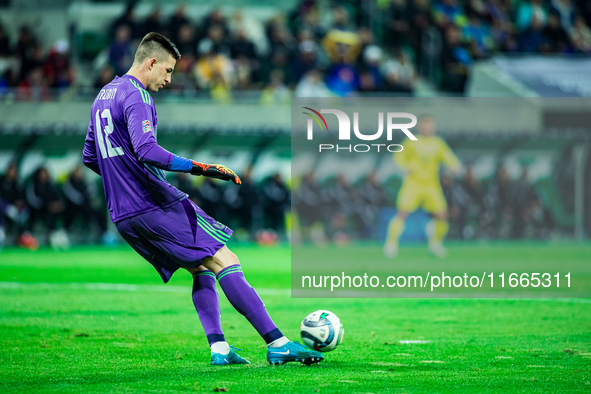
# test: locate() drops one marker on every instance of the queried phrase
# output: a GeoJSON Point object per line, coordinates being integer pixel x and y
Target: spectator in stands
{"type": "Point", "coordinates": [370, 74]}
{"type": "Point", "coordinates": [7, 81]}
{"type": "Point", "coordinates": [400, 74]}
{"type": "Point", "coordinates": [343, 201]}
{"type": "Point", "coordinates": [127, 20]}
{"type": "Point", "coordinates": [44, 201]}
{"type": "Point", "coordinates": [584, 8]}
{"type": "Point", "coordinates": [244, 203]}
{"type": "Point", "coordinates": [340, 19]}
{"type": "Point", "coordinates": [187, 45]}
{"type": "Point", "coordinates": [80, 203]}
{"type": "Point", "coordinates": [28, 51]}
{"type": "Point", "coordinates": [178, 19]}
{"type": "Point", "coordinates": [106, 75]}
{"type": "Point", "coordinates": [556, 39]}
{"type": "Point", "coordinates": [480, 9]}
{"type": "Point", "coordinates": [245, 74]}
{"type": "Point", "coordinates": [216, 34]}
{"type": "Point", "coordinates": [455, 62]}
{"type": "Point", "coordinates": [530, 14]}
{"type": "Point", "coordinates": [366, 39]}
{"type": "Point", "coordinates": [448, 13]}
{"type": "Point", "coordinates": [474, 203]}
{"type": "Point", "coordinates": [478, 36]}
{"type": "Point", "coordinates": [498, 203]}
{"type": "Point", "coordinates": [153, 22]}
{"type": "Point", "coordinates": [280, 39]}
{"type": "Point", "coordinates": [532, 39]}
{"type": "Point", "coordinates": [472, 186]}
{"type": "Point", "coordinates": [581, 36]}
{"type": "Point", "coordinates": [343, 79]}
{"type": "Point", "coordinates": [5, 50]}
{"type": "Point", "coordinates": [279, 61]}
{"type": "Point", "coordinates": [502, 26]}
{"type": "Point", "coordinates": [184, 182]}
{"type": "Point", "coordinates": [397, 22]}
{"type": "Point", "coordinates": [456, 200]}
{"type": "Point", "coordinates": [187, 41]}
{"type": "Point", "coordinates": [343, 48]}
{"type": "Point", "coordinates": [525, 198]}
{"type": "Point", "coordinates": [241, 46]}
{"type": "Point", "coordinates": [306, 60]}
{"type": "Point", "coordinates": [26, 42]}
{"type": "Point", "coordinates": [312, 85]}
{"type": "Point", "coordinates": [216, 20]}
{"type": "Point", "coordinates": [210, 197]}
{"type": "Point", "coordinates": [58, 71]}
{"type": "Point", "coordinates": [309, 205]}
{"type": "Point", "coordinates": [276, 92]}
{"type": "Point", "coordinates": [121, 51]}
{"type": "Point", "coordinates": [14, 206]}
{"type": "Point", "coordinates": [565, 11]}
{"type": "Point", "coordinates": [243, 50]}
{"type": "Point", "coordinates": [311, 22]}
{"type": "Point", "coordinates": [373, 197]}
{"type": "Point", "coordinates": [34, 87]}
{"type": "Point", "coordinates": [276, 201]}
{"type": "Point", "coordinates": [214, 71]}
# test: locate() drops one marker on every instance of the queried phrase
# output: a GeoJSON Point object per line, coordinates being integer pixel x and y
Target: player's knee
{"type": "Point", "coordinates": [230, 257]}
{"type": "Point", "coordinates": [402, 215]}
{"type": "Point", "coordinates": [222, 259]}
{"type": "Point", "coordinates": [440, 215]}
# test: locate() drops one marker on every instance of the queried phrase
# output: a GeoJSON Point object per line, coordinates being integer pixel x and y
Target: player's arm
{"type": "Point", "coordinates": [407, 158]}
{"type": "Point", "coordinates": [139, 122]}
{"type": "Point", "coordinates": [449, 158]}
{"type": "Point", "coordinates": [89, 157]}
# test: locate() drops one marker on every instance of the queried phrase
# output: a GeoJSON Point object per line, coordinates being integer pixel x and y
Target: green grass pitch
{"type": "Point", "coordinates": [100, 320]}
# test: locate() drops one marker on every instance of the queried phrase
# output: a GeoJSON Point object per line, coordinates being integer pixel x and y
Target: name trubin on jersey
{"type": "Point", "coordinates": [395, 121]}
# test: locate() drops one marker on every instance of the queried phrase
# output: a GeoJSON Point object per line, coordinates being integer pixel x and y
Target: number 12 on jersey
{"type": "Point", "coordinates": [107, 150]}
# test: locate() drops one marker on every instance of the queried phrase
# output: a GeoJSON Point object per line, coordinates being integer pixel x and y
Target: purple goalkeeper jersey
{"type": "Point", "coordinates": [121, 146]}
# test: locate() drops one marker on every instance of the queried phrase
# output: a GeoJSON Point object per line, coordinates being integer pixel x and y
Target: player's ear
{"type": "Point", "coordinates": [151, 63]}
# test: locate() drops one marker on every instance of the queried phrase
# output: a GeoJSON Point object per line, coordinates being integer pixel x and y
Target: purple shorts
{"type": "Point", "coordinates": [181, 235]}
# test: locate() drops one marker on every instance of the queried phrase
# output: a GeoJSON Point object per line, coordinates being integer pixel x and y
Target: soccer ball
{"type": "Point", "coordinates": [322, 330]}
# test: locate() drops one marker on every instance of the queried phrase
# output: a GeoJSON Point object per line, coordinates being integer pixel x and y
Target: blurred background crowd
{"type": "Point", "coordinates": [497, 208]}
{"type": "Point", "coordinates": [45, 210]}
{"type": "Point", "coordinates": [42, 210]}
{"type": "Point", "coordinates": [317, 49]}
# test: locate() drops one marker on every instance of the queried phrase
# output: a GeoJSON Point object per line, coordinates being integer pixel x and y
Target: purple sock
{"type": "Point", "coordinates": [245, 299]}
{"type": "Point", "coordinates": [207, 303]}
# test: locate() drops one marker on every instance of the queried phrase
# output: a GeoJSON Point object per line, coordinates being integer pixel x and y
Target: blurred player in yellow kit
{"type": "Point", "coordinates": [421, 188]}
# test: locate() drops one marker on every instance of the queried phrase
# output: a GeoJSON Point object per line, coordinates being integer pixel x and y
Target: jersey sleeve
{"type": "Point", "coordinates": [140, 122]}
{"type": "Point", "coordinates": [89, 153]}
{"type": "Point", "coordinates": [448, 157]}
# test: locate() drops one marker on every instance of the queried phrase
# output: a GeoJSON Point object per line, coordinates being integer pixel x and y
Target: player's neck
{"type": "Point", "coordinates": [137, 74]}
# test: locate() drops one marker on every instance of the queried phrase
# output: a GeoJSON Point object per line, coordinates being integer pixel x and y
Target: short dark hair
{"type": "Point", "coordinates": [155, 44]}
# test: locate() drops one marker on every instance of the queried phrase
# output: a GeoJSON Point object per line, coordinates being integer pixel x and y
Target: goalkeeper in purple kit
{"type": "Point", "coordinates": [158, 220]}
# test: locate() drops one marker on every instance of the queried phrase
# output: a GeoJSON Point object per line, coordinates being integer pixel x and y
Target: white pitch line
{"type": "Point", "coordinates": [272, 292]}
{"type": "Point", "coordinates": [117, 287]}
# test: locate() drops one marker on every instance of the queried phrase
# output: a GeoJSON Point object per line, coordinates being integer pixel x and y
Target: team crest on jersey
{"type": "Point", "coordinates": [147, 126]}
